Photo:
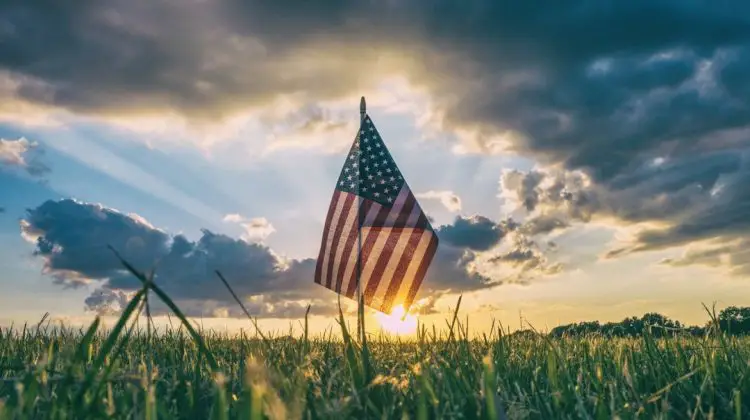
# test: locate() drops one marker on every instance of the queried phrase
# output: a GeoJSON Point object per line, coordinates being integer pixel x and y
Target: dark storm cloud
{"type": "Point", "coordinates": [477, 233]}
{"type": "Point", "coordinates": [72, 237]}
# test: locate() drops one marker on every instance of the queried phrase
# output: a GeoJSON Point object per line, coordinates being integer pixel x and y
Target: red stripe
{"type": "Point", "coordinates": [390, 245]}
{"type": "Point", "coordinates": [348, 201]}
{"type": "Point", "coordinates": [350, 245]}
{"type": "Point", "coordinates": [419, 276]}
{"type": "Point", "coordinates": [403, 265]}
{"type": "Point", "coordinates": [326, 228]}
{"type": "Point", "coordinates": [367, 244]}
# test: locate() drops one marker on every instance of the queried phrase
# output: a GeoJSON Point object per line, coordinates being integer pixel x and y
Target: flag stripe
{"type": "Point", "coordinates": [370, 235]}
{"type": "Point", "coordinates": [379, 243]}
{"type": "Point", "coordinates": [348, 200]}
{"type": "Point", "coordinates": [423, 265]}
{"type": "Point", "coordinates": [348, 235]}
{"type": "Point", "coordinates": [403, 263]}
{"type": "Point", "coordinates": [350, 247]}
{"type": "Point", "coordinates": [391, 242]}
{"type": "Point", "coordinates": [351, 265]}
{"type": "Point", "coordinates": [411, 271]}
{"type": "Point", "coordinates": [324, 243]}
{"type": "Point", "coordinates": [390, 270]}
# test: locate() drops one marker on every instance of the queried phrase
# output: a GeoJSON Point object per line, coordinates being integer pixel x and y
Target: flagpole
{"type": "Point", "coordinates": [360, 303]}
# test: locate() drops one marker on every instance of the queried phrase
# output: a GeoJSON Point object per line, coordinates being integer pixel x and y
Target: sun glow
{"type": "Point", "coordinates": [396, 322]}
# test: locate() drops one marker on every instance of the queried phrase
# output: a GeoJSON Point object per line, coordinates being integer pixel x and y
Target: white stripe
{"type": "Point", "coordinates": [398, 252]}
{"type": "Point", "coordinates": [329, 240]}
{"type": "Point", "coordinates": [349, 223]}
{"type": "Point", "coordinates": [351, 265]}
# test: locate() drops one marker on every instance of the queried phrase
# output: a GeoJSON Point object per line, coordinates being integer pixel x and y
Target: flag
{"type": "Point", "coordinates": [397, 241]}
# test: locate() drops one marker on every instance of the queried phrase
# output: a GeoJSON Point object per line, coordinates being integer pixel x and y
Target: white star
{"type": "Point", "coordinates": [390, 200]}
{"type": "Point", "coordinates": [353, 184]}
{"type": "Point", "coordinates": [377, 145]}
{"type": "Point", "coordinates": [352, 157]}
{"type": "Point", "coordinates": [349, 178]}
{"type": "Point", "coordinates": [341, 183]}
{"type": "Point", "coordinates": [372, 156]}
{"type": "Point", "coordinates": [346, 169]}
{"type": "Point", "coordinates": [386, 190]}
{"type": "Point", "coordinates": [370, 176]}
{"type": "Point", "coordinates": [387, 170]}
{"type": "Point", "coordinates": [393, 179]}
{"type": "Point", "coordinates": [399, 177]}
{"type": "Point", "coordinates": [371, 128]}
{"type": "Point", "coordinates": [385, 162]}
{"type": "Point", "coordinates": [377, 194]}
{"type": "Point", "coordinates": [382, 181]}
{"type": "Point", "coordinates": [373, 185]}
{"type": "Point", "coordinates": [364, 188]}
{"type": "Point", "coordinates": [376, 164]}
{"type": "Point", "coordinates": [368, 148]}
{"type": "Point", "coordinates": [382, 153]}
{"type": "Point", "coordinates": [355, 165]}
{"type": "Point", "coordinates": [367, 169]}
{"type": "Point", "coordinates": [380, 173]}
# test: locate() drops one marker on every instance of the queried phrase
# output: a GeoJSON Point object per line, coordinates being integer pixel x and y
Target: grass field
{"type": "Point", "coordinates": [126, 372]}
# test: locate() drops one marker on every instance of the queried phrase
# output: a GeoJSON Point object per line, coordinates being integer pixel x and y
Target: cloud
{"type": "Point", "coordinates": [656, 122]}
{"type": "Point", "coordinates": [735, 257]}
{"type": "Point", "coordinates": [525, 260]}
{"type": "Point", "coordinates": [256, 229]}
{"type": "Point", "coordinates": [24, 154]}
{"type": "Point", "coordinates": [233, 218]}
{"type": "Point", "coordinates": [213, 69]}
{"type": "Point", "coordinates": [676, 202]}
{"type": "Point", "coordinates": [309, 126]}
{"type": "Point", "coordinates": [476, 233]}
{"type": "Point", "coordinates": [449, 199]}
{"type": "Point", "coordinates": [71, 239]}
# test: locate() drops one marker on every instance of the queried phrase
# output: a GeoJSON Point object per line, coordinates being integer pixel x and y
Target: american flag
{"type": "Point", "coordinates": [397, 241]}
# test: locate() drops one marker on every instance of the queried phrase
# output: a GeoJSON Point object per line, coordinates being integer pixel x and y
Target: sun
{"type": "Point", "coordinates": [394, 323]}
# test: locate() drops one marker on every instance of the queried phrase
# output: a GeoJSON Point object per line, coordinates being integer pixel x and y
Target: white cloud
{"type": "Point", "coordinates": [256, 229]}
{"type": "Point", "coordinates": [12, 151]}
{"type": "Point", "coordinates": [233, 218]}
{"type": "Point", "coordinates": [449, 199]}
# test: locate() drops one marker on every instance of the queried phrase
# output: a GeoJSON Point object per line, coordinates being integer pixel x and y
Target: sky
{"type": "Point", "coordinates": [575, 167]}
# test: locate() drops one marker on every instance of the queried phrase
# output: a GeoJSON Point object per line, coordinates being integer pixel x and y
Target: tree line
{"type": "Point", "coordinates": [732, 320]}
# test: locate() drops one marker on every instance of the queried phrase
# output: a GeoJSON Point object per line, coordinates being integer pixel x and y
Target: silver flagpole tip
{"type": "Point", "coordinates": [362, 106]}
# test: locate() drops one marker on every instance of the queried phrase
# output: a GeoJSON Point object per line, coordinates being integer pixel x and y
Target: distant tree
{"type": "Point", "coordinates": [524, 334]}
{"type": "Point", "coordinates": [658, 325]}
{"type": "Point", "coordinates": [734, 320]}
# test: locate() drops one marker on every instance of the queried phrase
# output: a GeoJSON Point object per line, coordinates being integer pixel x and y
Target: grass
{"type": "Point", "coordinates": [128, 372]}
